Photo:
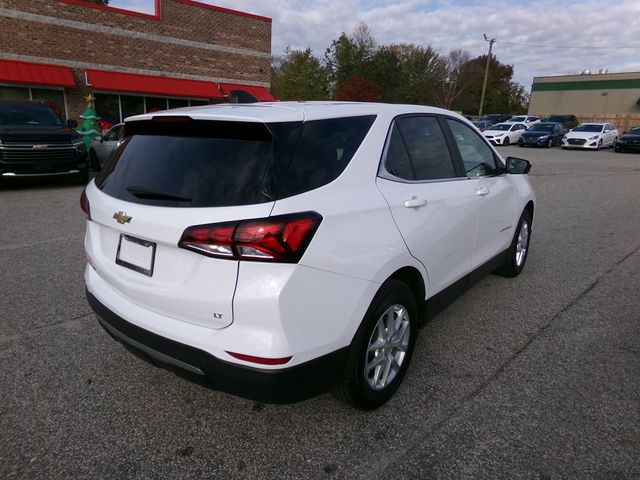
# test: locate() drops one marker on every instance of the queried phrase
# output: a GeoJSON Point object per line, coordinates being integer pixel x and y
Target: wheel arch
{"type": "Point", "coordinates": [529, 207]}
{"type": "Point", "coordinates": [413, 278]}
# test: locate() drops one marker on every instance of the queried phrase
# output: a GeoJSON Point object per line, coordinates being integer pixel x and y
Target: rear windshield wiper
{"type": "Point", "coordinates": [151, 195]}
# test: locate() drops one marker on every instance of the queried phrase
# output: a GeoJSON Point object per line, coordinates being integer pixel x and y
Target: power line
{"type": "Point", "coordinates": [568, 47]}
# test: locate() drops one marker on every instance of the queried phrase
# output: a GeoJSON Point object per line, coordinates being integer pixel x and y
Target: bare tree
{"type": "Point", "coordinates": [457, 80]}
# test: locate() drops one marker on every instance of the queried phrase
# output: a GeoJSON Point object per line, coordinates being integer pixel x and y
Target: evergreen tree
{"type": "Point", "coordinates": [299, 76]}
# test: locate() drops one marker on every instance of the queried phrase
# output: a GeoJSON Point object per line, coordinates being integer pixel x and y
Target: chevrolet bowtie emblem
{"type": "Point", "coordinates": [122, 217]}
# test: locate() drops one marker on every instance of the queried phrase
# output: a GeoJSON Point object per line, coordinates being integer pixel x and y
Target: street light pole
{"type": "Point", "coordinates": [486, 73]}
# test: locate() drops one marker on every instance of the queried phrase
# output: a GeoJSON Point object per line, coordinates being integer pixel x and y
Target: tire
{"type": "Point", "coordinates": [550, 143]}
{"type": "Point", "coordinates": [599, 147]}
{"type": "Point", "coordinates": [618, 149]}
{"type": "Point", "coordinates": [363, 384]}
{"type": "Point", "coordinates": [518, 251]}
{"type": "Point", "coordinates": [613, 144]}
{"type": "Point", "coordinates": [82, 178]}
{"type": "Point", "coordinates": [506, 142]}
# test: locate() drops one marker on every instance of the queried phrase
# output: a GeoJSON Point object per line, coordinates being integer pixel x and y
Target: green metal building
{"type": "Point", "coordinates": [611, 97]}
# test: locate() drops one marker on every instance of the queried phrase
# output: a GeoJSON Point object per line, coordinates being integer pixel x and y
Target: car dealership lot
{"type": "Point", "coordinates": [534, 377]}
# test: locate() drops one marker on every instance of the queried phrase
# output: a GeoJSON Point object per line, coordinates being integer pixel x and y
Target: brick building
{"type": "Point", "coordinates": [186, 53]}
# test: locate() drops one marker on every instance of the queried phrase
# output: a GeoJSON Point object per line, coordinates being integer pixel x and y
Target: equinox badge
{"type": "Point", "coordinates": [122, 217]}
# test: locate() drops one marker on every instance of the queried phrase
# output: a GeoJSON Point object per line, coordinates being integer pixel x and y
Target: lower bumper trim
{"type": "Point", "coordinates": [285, 385]}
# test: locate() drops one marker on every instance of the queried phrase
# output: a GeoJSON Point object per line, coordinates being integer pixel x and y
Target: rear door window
{"type": "Point", "coordinates": [418, 151]}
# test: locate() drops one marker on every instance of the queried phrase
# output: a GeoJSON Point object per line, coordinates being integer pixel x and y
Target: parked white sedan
{"type": "Point", "coordinates": [591, 135]}
{"type": "Point", "coordinates": [528, 120]}
{"type": "Point", "coordinates": [505, 133]}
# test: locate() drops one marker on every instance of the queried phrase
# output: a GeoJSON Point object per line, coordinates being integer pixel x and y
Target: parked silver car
{"type": "Point", "coordinates": [101, 147]}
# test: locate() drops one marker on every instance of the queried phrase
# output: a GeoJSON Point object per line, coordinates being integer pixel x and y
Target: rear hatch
{"type": "Point", "coordinates": [172, 173]}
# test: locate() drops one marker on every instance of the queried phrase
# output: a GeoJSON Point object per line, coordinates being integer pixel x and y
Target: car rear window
{"type": "Point", "coordinates": [180, 162]}
{"type": "Point", "coordinates": [185, 163]}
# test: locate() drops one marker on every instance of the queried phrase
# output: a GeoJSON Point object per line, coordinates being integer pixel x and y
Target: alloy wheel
{"type": "Point", "coordinates": [387, 347]}
{"type": "Point", "coordinates": [522, 244]}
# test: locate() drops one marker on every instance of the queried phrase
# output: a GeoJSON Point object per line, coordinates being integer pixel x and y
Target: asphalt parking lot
{"type": "Point", "coordinates": [533, 377]}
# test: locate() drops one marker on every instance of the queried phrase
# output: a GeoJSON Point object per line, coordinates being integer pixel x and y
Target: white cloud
{"type": "Point", "coordinates": [448, 25]}
{"type": "Point", "coordinates": [145, 6]}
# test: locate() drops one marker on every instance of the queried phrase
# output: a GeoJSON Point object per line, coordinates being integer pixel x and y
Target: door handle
{"type": "Point", "coordinates": [415, 202]}
{"type": "Point", "coordinates": [482, 191]}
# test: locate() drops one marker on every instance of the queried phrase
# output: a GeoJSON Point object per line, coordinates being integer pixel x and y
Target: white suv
{"type": "Point", "coordinates": [281, 250]}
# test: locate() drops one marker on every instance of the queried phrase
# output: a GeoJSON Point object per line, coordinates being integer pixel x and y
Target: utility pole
{"type": "Point", "coordinates": [486, 73]}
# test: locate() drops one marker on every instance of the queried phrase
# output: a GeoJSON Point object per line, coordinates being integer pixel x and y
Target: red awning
{"type": "Point", "coordinates": [131, 83]}
{"type": "Point", "coordinates": [13, 71]}
{"type": "Point", "coordinates": [260, 93]}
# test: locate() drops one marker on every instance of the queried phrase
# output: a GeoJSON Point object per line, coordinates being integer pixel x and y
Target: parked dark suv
{"type": "Point", "coordinates": [34, 142]}
{"type": "Point", "coordinates": [566, 120]}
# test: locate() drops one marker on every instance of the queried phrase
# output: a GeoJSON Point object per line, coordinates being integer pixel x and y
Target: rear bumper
{"type": "Point", "coordinates": [284, 385]}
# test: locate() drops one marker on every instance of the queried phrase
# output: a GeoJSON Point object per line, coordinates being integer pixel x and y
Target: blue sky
{"type": "Point", "coordinates": [584, 25]}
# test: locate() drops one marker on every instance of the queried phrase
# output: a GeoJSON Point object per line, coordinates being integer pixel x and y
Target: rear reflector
{"type": "Point", "coordinates": [84, 204]}
{"type": "Point", "coordinates": [282, 238]}
{"type": "Point", "coordinates": [260, 360]}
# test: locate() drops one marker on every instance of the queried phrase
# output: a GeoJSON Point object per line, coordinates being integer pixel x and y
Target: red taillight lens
{"type": "Point", "coordinates": [260, 360]}
{"type": "Point", "coordinates": [282, 238]}
{"type": "Point", "coordinates": [84, 204]}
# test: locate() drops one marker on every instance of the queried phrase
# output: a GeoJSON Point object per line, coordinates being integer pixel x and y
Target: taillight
{"type": "Point", "coordinates": [282, 238]}
{"type": "Point", "coordinates": [84, 204]}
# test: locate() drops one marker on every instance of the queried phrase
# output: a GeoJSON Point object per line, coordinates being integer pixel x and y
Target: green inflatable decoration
{"type": "Point", "coordinates": [89, 127]}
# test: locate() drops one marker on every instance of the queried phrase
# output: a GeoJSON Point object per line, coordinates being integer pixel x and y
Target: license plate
{"type": "Point", "coordinates": [136, 254]}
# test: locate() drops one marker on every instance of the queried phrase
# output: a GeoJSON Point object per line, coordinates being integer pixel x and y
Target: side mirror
{"type": "Point", "coordinates": [518, 166]}
{"type": "Point", "coordinates": [98, 138]}
{"type": "Point", "coordinates": [72, 124]}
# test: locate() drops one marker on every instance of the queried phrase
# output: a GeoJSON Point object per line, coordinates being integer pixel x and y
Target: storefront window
{"type": "Point", "coordinates": [14, 93]}
{"type": "Point", "coordinates": [113, 108]}
{"type": "Point", "coordinates": [178, 103]}
{"type": "Point", "coordinates": [155, 104]}
{"type": "Point", "coordinates": [53, 98]}
{"type": "Point", "coordinates": [108, 109]}
{"type": "Point", "coordinates": [131, 105]}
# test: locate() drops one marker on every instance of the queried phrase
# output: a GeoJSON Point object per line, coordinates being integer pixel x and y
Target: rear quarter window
{"type": "Point", "coordinates": [323, 151]}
